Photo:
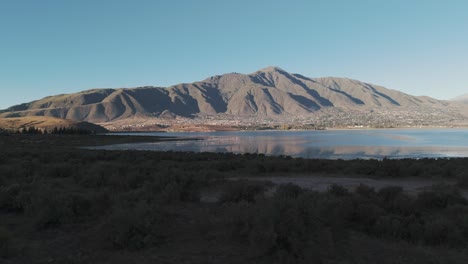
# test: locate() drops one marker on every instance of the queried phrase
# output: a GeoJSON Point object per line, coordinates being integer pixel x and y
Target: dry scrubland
{"type": "Point", "coordinates": [61, 204]}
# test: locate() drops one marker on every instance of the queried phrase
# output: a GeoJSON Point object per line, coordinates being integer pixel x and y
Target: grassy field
{"type": "Point", "coordinates": [63, 204]}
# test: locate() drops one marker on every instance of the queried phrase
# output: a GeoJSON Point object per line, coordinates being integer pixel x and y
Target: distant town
{"type": "Point", "coordinates": [333, 118]}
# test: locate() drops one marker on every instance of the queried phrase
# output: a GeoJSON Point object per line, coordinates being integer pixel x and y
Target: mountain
{"type": "Point", "coordinates": [268, 93]}
{"type": "Point", "coordinates": [462, 99]}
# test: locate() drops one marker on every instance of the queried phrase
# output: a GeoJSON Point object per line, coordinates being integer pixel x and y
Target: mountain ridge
{"type": "Point", "coordinates": [270, 92]}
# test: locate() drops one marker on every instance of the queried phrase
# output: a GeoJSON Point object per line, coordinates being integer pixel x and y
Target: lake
{"type": "Point", "coordinates": [326, 144]}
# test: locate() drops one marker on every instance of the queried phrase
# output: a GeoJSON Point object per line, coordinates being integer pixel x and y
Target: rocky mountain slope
{"type": "Point", "coordinates": [268, 93]}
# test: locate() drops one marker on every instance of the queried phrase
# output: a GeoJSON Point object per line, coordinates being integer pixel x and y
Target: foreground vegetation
{"type": "Point", "coordinates": [62, 204]}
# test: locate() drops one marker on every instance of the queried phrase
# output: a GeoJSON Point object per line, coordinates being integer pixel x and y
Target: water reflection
{"type": "Point", "coordinates": [322, 144]}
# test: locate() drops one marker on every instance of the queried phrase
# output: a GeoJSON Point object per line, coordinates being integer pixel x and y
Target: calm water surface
{"type": "Point", "coordinates": [327, 144]}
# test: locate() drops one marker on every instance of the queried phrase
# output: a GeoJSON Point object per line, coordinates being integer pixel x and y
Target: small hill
{"type": "Point", "coordinates": [47, 123]}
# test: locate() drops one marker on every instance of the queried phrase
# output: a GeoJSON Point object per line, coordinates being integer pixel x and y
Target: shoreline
{"type": "Point", "coordinates": [213, 129]}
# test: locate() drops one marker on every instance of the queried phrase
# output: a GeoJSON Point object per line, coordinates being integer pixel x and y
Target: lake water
{"type": "Point", "coordinates": [327, 144]}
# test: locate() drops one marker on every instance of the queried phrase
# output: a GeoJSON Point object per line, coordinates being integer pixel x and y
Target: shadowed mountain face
{"type": "Point", "coordinates": [270, 92]}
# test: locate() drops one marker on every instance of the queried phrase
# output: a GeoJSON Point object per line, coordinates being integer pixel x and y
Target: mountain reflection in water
{"type": "Point", "coordinates": [333, 144]}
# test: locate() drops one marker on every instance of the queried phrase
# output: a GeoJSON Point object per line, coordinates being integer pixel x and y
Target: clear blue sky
{"type": "Point", "coordinates": [62, 46]}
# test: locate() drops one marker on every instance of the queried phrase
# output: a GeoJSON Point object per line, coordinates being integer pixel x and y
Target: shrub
{"type": "Point", "coordinates": [414, 169]}
{"type": "Point", "coordinates": [439, 197]}
{"type": "Point", "coordinates": [133, 228]}
{"type": "Point", "coordinates": [338, 190]}
{"type": "Point", "coordinates": [288, 190]}
{"type": "Point", "coordinates": [394, 200]}
{"type": "Point", "coordinates": [242, 190]}
{"type": "Point", "coordinates": [286, 229]}
{"type": "Point", "coordinates": [389, 193]}
{"type": "Point", "coordinates": [79, 205]}
{"type": "Point", "coordinates": [101, 202]}
{"type": "Point", "coordinates": [96, 176]}
{"type": "Point", "coordinates": [391, 168]}
{"type": "Point", "coordinates": [48, 208]}
{"type": "Point", "coordinates": [4, 132]}
{"type": "Point", "coordinates": [389, 225]}
{"type": "Point", "coordinates": [5, 243]}
{"type": "Point", "coordinates": [458, 214]}
{"type": "Point", "coordinates": [441, 231]}
{"type": "Point", "coordinates": [179, 191]}
{"type": "Point", "coordinates": [174, 187]}
{"type": "Point", "coordinates": [59, 170]}
{"type": "Point", "coordinates": [9, 197]}
{"type": "Point", "coordinates": [365, 215]}
{"type": "Point", "coordinates": [365, 191]}
{"type": "Point", "coordinates": [237, 219]}
{"type": "Point", "coordinates": [462, 180]}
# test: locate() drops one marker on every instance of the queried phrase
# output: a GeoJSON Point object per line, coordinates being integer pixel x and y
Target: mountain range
{"type": "Point", "coordinates": [267, 93]}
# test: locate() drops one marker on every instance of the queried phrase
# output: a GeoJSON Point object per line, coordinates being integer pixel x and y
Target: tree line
{"type": "Point", "coordinates": [56, 131]}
